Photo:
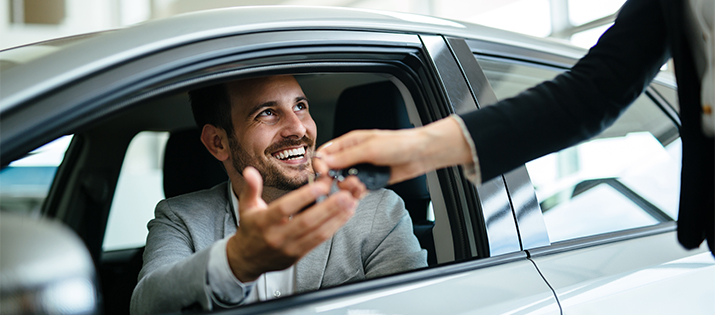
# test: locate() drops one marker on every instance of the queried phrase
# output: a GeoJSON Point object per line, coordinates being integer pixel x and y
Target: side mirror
{"type": "Point", "coordinates": [45, 268]}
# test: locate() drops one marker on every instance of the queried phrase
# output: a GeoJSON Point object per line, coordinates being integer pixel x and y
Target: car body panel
{"type": "Point", "coordinates": [629, 276]}
{"type": "Point", "coordinates": [476, 287]}
{"type": "Point", "coordinates": [483, 291]}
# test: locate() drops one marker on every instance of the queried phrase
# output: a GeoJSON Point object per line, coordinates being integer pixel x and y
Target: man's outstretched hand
{"type": "Point", "coordinates": [275, 236]}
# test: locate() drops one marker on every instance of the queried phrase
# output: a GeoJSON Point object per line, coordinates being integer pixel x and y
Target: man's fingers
{"type": "Point", "coordinates": [353, 185]}
{"type": "Point", "coordinates": [298, 199]}
{"type": "Point", "coordinates": [321, 220]}
{"type": "Point", "coordinates": [324, 231]}
{"type": "Point", "coordinates": [319, 166]}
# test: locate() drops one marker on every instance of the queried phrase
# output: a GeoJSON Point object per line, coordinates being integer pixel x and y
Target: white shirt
{"type": "Point", "coordinates": [471, 171]}
{"type": "Point", "coordinates": [228, 290]}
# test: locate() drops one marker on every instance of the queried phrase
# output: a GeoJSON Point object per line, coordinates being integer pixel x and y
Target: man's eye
{"type": "Point", "coordinates": [301, 106]}
{"type": "Point", "coordinates": [266, 112]}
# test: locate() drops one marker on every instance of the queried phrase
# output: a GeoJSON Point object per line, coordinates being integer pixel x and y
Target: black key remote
{"type": "Point", "coordinates": [374, 177]}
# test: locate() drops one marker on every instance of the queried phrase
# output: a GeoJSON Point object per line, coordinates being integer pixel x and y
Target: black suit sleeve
{"type": "Point", "coordinates": [578, 104]}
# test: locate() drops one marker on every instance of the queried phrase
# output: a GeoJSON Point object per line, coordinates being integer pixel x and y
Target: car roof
{"type": "Point", "coordinates": [105, 49]}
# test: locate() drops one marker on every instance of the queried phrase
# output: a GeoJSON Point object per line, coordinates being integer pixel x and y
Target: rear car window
{"type": "Point", "coordinates": [626, 177]}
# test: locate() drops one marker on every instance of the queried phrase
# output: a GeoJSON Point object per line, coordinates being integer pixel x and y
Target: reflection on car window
{"type": "Point", "coordinates": [25, 183]}
{"type": "Point", "coordinates": [138, 191]}
{"type": "Point", "coordinates": [626, 177]}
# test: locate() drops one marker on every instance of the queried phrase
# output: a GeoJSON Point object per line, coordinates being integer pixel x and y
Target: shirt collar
{"type": "Point", "coordinates": [234, 201]}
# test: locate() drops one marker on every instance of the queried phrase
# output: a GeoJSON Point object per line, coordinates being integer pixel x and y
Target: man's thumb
{"type": "Point", "coordinates": [250, 195]}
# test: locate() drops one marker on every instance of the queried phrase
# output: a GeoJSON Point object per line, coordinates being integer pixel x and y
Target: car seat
{"type": "Point", "coordinates": [380, 106]}
{"type": "Point", "coordinates": [188, 166]}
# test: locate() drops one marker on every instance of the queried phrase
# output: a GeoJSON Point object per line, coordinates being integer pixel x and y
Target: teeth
{"type": "Point", "coordinates": [290, 153]}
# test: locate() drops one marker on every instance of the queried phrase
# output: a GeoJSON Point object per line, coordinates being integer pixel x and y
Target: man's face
{"type": "Point", "coordinates": [273, 130]}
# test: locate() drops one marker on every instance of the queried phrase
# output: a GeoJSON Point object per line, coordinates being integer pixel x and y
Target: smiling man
{"type": "Point", "coordinates": [248, 239]}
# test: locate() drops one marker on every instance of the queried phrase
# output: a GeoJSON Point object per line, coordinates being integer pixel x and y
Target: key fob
{"type": "Point", "coordinates": [374, 177]}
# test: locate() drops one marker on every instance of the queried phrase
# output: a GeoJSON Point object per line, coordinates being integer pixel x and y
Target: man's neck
{"type": "Point", "coordinates": [269, 193]}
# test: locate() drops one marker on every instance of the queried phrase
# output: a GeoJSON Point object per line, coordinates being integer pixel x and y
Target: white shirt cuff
{"type": "Point", "coordinates": [226, 289]}
{"type": "Point", "coordinates": [472, 170]}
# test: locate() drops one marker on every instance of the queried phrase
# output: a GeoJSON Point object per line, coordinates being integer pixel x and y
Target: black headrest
{"type": "Point", "coordinates": [377, 106]}
{"type": "Point", "coordinates": [188, 166]}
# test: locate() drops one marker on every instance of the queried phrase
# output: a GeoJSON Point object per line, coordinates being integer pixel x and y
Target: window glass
{"type": "Point", "coordinates": [25, 183]}
{"type": "Point", "coordinates": [626, 177]}
{"type": "Point", "coordinates": [139, 189]}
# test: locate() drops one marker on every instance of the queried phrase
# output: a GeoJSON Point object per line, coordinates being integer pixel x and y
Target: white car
{"type": "Point", "coordinates": [88, 127]}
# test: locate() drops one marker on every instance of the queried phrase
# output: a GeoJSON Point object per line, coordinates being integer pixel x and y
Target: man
{"type": "Point", "coordinates": [261, 130]}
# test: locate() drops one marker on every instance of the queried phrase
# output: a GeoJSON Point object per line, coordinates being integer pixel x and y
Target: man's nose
{"type": "Point", "coordinates": [293, 126]}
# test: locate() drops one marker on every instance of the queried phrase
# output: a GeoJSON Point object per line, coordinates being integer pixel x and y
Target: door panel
{"type": "Point", "coordinates": [508, 284]}
{"type": "Point", "coordinates": [646, 275]}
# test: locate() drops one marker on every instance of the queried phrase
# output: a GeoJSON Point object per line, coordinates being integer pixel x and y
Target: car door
{"type": "Point", "coordinates": [606, 238]}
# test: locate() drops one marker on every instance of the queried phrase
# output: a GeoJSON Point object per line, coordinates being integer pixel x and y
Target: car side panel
{"type": "Point", "coordinates": [510, 288]}
{"type": "Point", "coordinates": [646, 275]}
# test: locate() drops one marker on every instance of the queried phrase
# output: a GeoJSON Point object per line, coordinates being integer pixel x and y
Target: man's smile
{"type": "Point", "coordinates": [290, 154]}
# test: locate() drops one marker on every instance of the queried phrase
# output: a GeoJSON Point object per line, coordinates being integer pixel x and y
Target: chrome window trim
{"type": "Point", "coordinates": [531, 56]}
{"type": "Point", "coordinates": [496, 213]}
{"type": "Point", "coordinates": [602, 239]}
{"type": "Point", "coordinates": [529, 218]}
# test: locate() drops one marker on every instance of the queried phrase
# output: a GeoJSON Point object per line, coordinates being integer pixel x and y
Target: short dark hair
{"type": "Point", "coordinates": [212, 105]}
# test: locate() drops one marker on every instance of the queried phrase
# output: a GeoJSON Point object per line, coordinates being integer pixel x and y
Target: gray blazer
{"type": "Point", "coordinates": [376, 241]}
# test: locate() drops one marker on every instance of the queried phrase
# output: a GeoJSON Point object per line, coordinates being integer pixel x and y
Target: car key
{"type": "Point", "coordinates": [311, 179]}
{"type": "Point", "coordinates": [374, 177]}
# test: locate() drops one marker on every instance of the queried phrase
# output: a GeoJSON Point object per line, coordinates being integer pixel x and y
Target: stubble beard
{"type": "Point", "coordinates": [272, 175]}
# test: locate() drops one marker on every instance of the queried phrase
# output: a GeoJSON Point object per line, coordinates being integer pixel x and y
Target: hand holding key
{"type": "Point", "coordinates": [407, 152]}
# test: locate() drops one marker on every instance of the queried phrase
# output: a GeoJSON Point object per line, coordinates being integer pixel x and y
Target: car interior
{"type": "Point", "coordinates": [339, 102]}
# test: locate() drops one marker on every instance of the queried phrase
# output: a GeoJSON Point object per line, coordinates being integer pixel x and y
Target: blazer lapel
{"type": "Point", "coordinates": [310, 270]}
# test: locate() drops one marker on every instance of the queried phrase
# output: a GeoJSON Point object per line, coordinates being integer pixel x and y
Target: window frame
{"type": "Point", "coordinates": [83, 103]}
{"type": "Point", "coordinates": [536, 234]}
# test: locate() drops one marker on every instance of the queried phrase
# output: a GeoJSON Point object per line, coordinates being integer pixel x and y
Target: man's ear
{"type": "Point", "coordinates": [216, 141]}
